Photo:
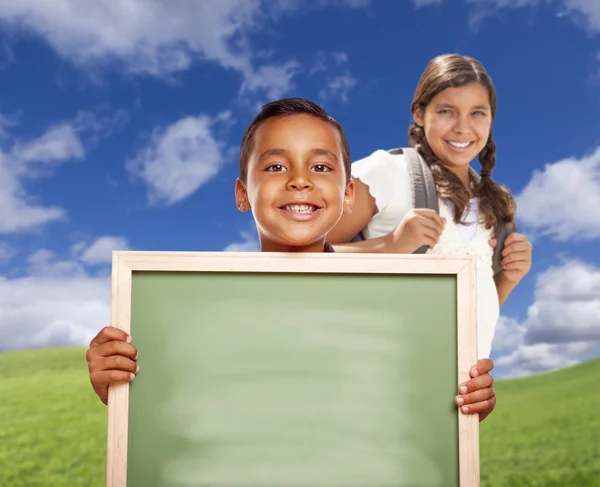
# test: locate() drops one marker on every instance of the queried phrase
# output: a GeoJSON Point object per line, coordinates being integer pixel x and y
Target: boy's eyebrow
{"type": "Point", "coordinates": [271, 152]}
{"type": "Point", "coordinates": [279, 152]}
{"type": "Point", "coordinates": [325, 152]}
{"type": "Point", "coordinates": [448, 105]}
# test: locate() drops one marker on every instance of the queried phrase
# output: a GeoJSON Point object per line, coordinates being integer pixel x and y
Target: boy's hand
{"type": "Point", "coordinates": [477, 395]}
{"type": "Point", "coordinates": [111, 359]}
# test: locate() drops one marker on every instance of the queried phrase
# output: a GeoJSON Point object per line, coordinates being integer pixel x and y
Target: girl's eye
{"type": "Point", "coordinates": [275, 167]}
{"type": "Point", "coordinates": [480, 113]}
{"type": "Point", "coordinates": [444, 112]}
{"type": "Point", "coordinates": [321, 168]}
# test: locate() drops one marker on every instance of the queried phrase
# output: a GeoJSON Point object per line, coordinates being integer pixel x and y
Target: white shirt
{"type": "Point", "coordinates": [389, 183]}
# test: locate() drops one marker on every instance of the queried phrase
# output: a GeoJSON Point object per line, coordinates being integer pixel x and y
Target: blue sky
{"type": "Point", "coordinates": [120, 123]}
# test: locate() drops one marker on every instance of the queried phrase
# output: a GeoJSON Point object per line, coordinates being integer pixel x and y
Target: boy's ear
{"type": "Point", "coordinates": [349, 197]}
{"type": "Point", "coordinates": [241, 196]}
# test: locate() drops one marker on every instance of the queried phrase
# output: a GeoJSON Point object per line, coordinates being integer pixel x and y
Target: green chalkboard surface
{"type": "Point", "coordinates": [297, 379]}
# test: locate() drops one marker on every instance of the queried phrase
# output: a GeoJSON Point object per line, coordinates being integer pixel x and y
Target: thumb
{"type": "Point", "coordinates": [493, 242]}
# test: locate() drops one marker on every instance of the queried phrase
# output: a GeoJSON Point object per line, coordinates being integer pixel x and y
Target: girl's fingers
{"type": "Point", "coordinates": [430, 215]}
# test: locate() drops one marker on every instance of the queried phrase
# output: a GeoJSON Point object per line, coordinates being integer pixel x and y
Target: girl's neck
{"type": "Point", "coordinates": [463, 173]}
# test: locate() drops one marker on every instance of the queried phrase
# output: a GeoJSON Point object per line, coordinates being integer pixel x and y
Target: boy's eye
{"type": "Point", "coordinates": [321, 168]}
{"type": "Point", "coordinates": [444, 111]}
{"type": "Point", "coordinates": [275, 167]}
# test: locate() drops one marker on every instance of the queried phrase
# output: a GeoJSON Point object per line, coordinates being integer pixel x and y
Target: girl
{"type": "Point", "coordinates": [453, 109]}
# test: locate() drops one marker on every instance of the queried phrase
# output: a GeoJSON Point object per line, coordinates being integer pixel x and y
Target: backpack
{"type": "Point", "coordinates": [424, 195]}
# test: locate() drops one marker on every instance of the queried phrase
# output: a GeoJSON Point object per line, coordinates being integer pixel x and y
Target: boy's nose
{"type": "Point", "coordinates": [299, 181]}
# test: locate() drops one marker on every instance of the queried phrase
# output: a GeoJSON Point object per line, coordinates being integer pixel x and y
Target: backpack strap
{"type": "Point", "coordinates": [503, 231]}
{"type": "Point", "coordinates": [424, 193]}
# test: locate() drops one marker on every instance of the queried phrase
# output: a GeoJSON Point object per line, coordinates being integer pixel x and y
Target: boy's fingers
{"type": "Point", "coordinates": [480, 407]}
{"type": "Point", "coordinates": [106, 377]}
{"type": "Point", "coordinates": [483, 366]}
{"type": "Point", "coordinates": [475, 397]}
{"type": "Point", "coordinates": [116, 362]}
{"type": "Point", "coordinates": [481, 382]}
{"type": "Point", "coordinates": [112, 348]}
{"type": "Point", "coordinates": [109, 333]}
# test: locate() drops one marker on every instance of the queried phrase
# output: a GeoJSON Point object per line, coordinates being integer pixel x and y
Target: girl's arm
{"type": "Point", "coordinates": [418, 227]}
{"type": "Point", "coordinates": [363, 209]}
{"type": "Point", "coordinates": [504, 287]}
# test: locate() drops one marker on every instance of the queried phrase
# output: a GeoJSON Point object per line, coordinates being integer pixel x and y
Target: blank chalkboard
{"type": "Point", "coordinates": [293, 370]}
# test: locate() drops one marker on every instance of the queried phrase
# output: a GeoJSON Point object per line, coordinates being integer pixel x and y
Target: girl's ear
{"type": "Point", "coordinates": [241, 196]}
{"type": "Point", "coordinates": [418, 116]}
{"type": "Point", "coordinates": [349, 197]}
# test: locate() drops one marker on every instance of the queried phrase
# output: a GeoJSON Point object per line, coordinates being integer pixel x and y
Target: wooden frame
{"type": "Point", "coordinates": [464, 268]}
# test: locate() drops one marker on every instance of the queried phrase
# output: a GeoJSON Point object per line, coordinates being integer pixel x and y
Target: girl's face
{"type": "Point", "coordinates": [457, 124]}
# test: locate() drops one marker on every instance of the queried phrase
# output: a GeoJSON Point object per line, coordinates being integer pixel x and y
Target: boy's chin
{"type": "Point", "coordinates": [295, 241]}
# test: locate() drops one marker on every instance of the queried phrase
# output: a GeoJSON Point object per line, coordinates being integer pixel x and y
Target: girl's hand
{"type": "Point", "coordinates": [419, 227]}
{"type": "Point", "coordinates": [477, 395]}
{"type": "Point", "coordinates": [111, 359]}
{"type": "Point", "coordinates": [516, 257]}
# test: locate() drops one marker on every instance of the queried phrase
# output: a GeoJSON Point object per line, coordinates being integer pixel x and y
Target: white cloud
{"type": "Point", "coordinates": [339, 80]}
{"type": "Point", "coordinates": [249, 243]}
{"type": "Point", "coordinates": [57, 304]}
{"type": "Point", "coordinates": [559, 201]}
{"type": "Point", "coordinates": [562, 325]}
{"type": "Point", "coordinates": [179, 159]}
{"type": "Point", "coordinates": [159, 37]}
{"type": "Point", "coordinates": [275, 80]}
{"type": "Point", "coordinates": [426, 3]}
{"type": "Point", "coordinates": [36, 157]}
{"type": "Point", "coordinates": [584, 12]}
{"type": "Point", "coordinates": [99, 251]}
{"type": "Point", "coordinates": [57, 144]}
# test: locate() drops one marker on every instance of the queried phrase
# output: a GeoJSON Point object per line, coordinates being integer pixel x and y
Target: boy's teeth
{"type": "Point", "coordinates": [300, 208]}
{"type": "Point", "coordinates": [460, 145]}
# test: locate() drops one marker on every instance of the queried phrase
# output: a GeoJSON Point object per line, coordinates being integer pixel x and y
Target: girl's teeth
{"type": "Point", "coordinates": [300, 208]}
{"type": "Point", "coordinates": [460, 145]}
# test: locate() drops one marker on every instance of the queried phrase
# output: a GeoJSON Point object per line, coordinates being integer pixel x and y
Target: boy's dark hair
{"type": "Point", "coordinates": [286, 107]}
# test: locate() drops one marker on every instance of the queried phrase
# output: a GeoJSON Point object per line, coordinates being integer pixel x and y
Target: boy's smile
{"type": "Point", "coordinates": [296, 184]}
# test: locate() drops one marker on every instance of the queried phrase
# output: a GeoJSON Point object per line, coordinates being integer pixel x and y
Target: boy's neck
{"type": "Point", "coordinates": [318, 246]}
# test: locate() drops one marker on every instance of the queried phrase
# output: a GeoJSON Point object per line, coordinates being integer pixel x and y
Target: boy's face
{"type": "Point", "coordinates": [296, 184]}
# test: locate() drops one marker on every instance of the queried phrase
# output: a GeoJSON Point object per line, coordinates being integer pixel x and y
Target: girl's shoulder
{"type": "Point", "coordinates": [381, 164]}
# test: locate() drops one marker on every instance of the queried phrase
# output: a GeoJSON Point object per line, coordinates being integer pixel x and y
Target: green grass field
{"type": "Point", "coordinates": [545, 431]}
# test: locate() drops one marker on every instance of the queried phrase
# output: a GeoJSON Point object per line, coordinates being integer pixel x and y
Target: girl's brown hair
{"type": "Point", "coordinates": [496, 204]}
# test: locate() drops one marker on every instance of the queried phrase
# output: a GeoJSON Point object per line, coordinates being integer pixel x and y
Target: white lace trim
{"type": "Point", "coordinates": [450, 243]}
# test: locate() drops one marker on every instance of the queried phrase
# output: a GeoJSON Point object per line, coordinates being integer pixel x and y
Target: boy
{"type": "Point", "coordinates": [295, 177]}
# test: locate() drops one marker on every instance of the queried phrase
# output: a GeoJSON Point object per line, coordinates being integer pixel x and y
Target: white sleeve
{"type": "Point", "coordinates": [389, 184]}
{"type": "Point", "coordinates": [376, 171]}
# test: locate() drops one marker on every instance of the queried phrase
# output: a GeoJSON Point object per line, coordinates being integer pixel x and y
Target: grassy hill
{"type": "Point", "coordinates": [545, 431]}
